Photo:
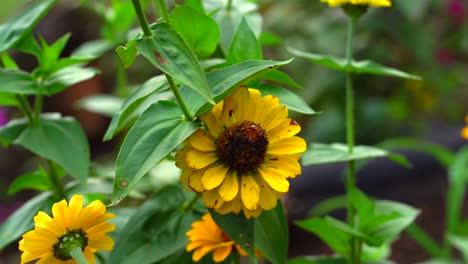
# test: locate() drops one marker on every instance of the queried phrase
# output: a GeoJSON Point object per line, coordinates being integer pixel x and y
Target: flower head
{"type": "Point", "coordinates": [243, 160]}
{"type": "Point", "coordinates": [464, 132]}
{"type": "Point", "coordinates": [71, 226]}
{"type": "Point", "coordinates": [372, 3]}
{"type": "Point", "coordinates": [206, 236]}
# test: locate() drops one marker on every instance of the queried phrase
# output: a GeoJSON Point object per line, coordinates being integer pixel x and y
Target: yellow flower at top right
{"type": "Point", "coordinates": [372, 3]}
{"type": "Point", "coordinates": [464, 132]}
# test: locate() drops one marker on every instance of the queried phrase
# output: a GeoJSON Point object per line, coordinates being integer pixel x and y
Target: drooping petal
{"type": "Point", "coordinates": [287, 166]}
{"type": "Point", "coordinates": [198, 159]}
{"type": "Point", "coordinates": [276, 181]}
{"type": "Point", "coordinates": [213, 177]}
{"type": "Point", "coordinates": [249, 192]}
{"type": "Point", "coordinates": [229, 187]}
{"type": "Point", "coordinates": [287, 146]}
{"type": "Point", "coordinates": [287, 129]}
{"type": "Point", "coordinates": [201, 141]}
{"type": "Point", "coordinates": [221, 253]}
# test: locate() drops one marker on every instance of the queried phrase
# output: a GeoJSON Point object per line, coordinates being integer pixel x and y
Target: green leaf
{"type": "Point", "coordinates": [8, 99]}
{"type": "Point", "coordinates": [195, 4]}
{"type": "Point", "coordinates": [18, 82]}
{"type": "Point", "coordinates": [460, 243]}
{"type": "Point", "coordinates": [127, 53]}
{"type": "Point", "coordinates": [280, 77]}
{"type": "Point", "coordinates": [338, 152]}
{"type": "Point", "coordinates": [238, 228]}
{"type": "Point", "coordinates": [145, 236]}
{"type": "Point", "coordinates": [21, 220]}
{"type": "Point", "coordinates": [289, 99]}
{"type": "Point", "coordinates": [61, 140]}
{"type": "Point", "coordinates": [134, 103]}
{"type": "Point", "coordinates": [328, 205]}
{"type": "Point", "coordinates": [12, 130]}
{"type": "Point", "coordinates": [224, 81]}
{"type": "Point", "coordinates": [8, 62]}
{"type": "Point", "coordinates": [92, 49]}
{"type": "Point", "coordinates": [271, 235]}
{"type": "Point", "coordinates": [51, 54]}
{"type": "Point", "coordinates": [442, 154]}
{"type": "Point", "coordinates": [159, 130]}
{"type": "Point", "coordinates": [168, 51]}
{"type": "Point", "coordinates": [364, 206]}
{"type": "Point", "coordinates": [199, 31]}
{"type": "Point", "coordinates": [244, 45]}
{"type": "Point", "coordinates": [270, 39]}
{"type": "Point", "coordinates": [336, 238]}
{"type": "Point", "coordinates": [341, 64]}
{"type": "Point", "coordinates": [457, 180]}
{"type": "Point", "coordinates": [228, 22]}
{"type": "Point", "coordinates": [103, 104]}
{"type": "Point", "coordinates": [67, 77]}
{"type": "Point", "coordinates": [37, 180]}
{"type": "Point", "coordinates": [12, 31]}
{"type": "Point", "coordinates": [318, 260]}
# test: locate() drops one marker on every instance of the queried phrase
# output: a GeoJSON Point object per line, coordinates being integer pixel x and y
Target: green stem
{"type": "Point", "coordinates": [188, 206]}
{"type": "Point", "coordinates": [179, 98]}
{"type": "Point", "coordinates": [425, 241]}
{"type": "Point", "coordinates": [54, 179]}
{"type": "Point", "coordinates": [38, 106]}
{"type": "Point", "coordinates": [351, 179]}
{"type": "Point", "coordinates": [142, 18]}
{"type": "Point", "coordinates": [25, 107]}
{"type": "Point", "coordinates": [162, 10]}
{"type": "Point", "coordinates": [121, 79]}
{"type": "Point", "coordinates": [229, 5]}
{"type": "Point", "coordinates": [78, 256]}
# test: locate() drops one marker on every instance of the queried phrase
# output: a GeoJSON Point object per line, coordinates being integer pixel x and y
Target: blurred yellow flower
{"type": "Point", "coordinates": [71, 226]}
{"type": "Point", "coordinates": [373, 3]}
{"type": "Point", "coordinates": [245, 158]}
{"type": "Point", "coordinates": [464, 131]}
{"type": "Point", "coordinates": [206, 236]}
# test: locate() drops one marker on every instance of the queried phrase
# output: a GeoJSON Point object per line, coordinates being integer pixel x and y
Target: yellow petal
{"type": "Point", "coordinates": [101, 242]}
{"type": "Point", "coordinates": [213, 177]}
{"type": "Point", "coordinates": [58, 212]}
{"type": "Point", "coordinates": [195, 181]}
{"type": "Point", "coordinates": [74, 207]}
{"type": "Point", "coordinates": [267, 196]}
{"type": "Point", "coordinates": [230, 186]}
{"type": "Point", "coordinates": [201, 141]}
{"type": "Point", "coordinates": [287, 166]}
{"type": "Point", "coordinates": [275, 118]}
{"type": "Point", "coordinates": [212, 120]}
{"type": "Point", "coordinates": [263, 108]}
{"type": "Point", "coordinates": [287, 146]}
{"type": "Point", "coordinates": [253, 213]}
{"type": "Point", "coordinates": [197, 159]}
{"type": "Point", "coordinates": [276, 181]}
{"type": "Point", "coordinates": [287, 129]}
{"type": "Point", "coordinates": [241, 97]}
{"type": "Point", "coordinates": [228, 114]}
{"type": "Point", "coordinates": [221, 253]}
{"type": "Point", "coordinates": [211, 199]}
{"type": "Point", "coordinates": [249, 192]}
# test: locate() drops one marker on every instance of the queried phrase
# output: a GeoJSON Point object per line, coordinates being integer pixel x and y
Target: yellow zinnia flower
{"type": "Point", "coordinates": [373, 3]}
{"type": "Point", "coordinates": [244, 159]}
{"type": "Point", "coordinates": [206, 236]}
{"type": "Point", "coordinates": [71, 226]}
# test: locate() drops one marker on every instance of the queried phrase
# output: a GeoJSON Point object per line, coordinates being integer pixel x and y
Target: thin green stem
{"type": "Point", "coordinates": [121, 79]}
{"type": "Point", "coordinates": [25, 107]}
{"type": "Point", "coordinates": [78, 256]}
{"type": "Point", "coordinates": [425, 241]}
{"type": "Point", "coordinates": [142, 18]}
{"type": "Point", "coordinates": [188, 206]}
{"type": "Point", "coordinates": [351, 179]}
{"type": "Point", "coordinates": [179, 98]}
{"type": "Point", "coordinates": [162, 10]}
{"type": "Point", "coordinates": [229, 5]}
{"type": "Point", "coordinates": [38, 106]}
{"type": "Point", "coordinates": [54, 179]}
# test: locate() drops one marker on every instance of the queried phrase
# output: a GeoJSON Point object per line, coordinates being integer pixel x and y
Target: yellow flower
{"type": "Point", "coordinates": [464, 131]}
{"type": "Point", "coordinates": [71, 226]}
{"type": "Point", "coordinates": [373, 3]}
{"type": "Point", "coordinates": [206, 236]}
{"type": "Point", "coordinates": [245, 158]}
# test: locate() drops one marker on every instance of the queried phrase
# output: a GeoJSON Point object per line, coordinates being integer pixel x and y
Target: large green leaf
{"type": "Point", "coordinates": [168, 51]}
{"type": "Point", "coordinates": [338, 152]}
{"type": "Point", "coordinates": [126, 113]}
{"type": "Point", "coordinates": [21, 220]}
{"type": "Point", "coordinates": [228, 22]}
{"type": "Point", "coordinates": [224, 81]}
{"type": "Point", "coordinates": [18, 82]}
{"type": "Point", "coordinates": [288, 98]}
{"type": "Point", "coordinates": [238, 228]}
{"type": "Point", "coordinates": [280, 77]}
{"type": "Point", "coordinates": [272, 236]}
{"type": "Point", "coordinates": [198, 30]}
{"type": "Point", "coordinates": [144, 238]}
{"type": "Point", "coordinates": [67, 77]}
{"type": "Point", "coordinates": [12, 31]}
{"type": "Point", "coordinates": [341, 64]}
{"type": "Point", "coordinates": [61, 140]}
{"type": "Point", "coordinates": [158, 131]}
{"type": "Point", "coordinates": [244, 45]}
{"type": "Point", "coordinates": [458, 178]}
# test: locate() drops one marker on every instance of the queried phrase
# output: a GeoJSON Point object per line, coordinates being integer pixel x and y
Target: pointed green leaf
{"type": "Point", "coordinates": [272, 236]}
{"type": "Point", "coordinates": [21, 220]}
{"type": "Point", "coordinates": [12, 130]}
{"type": "Point", "coordinates": [228, 22]}
{"type": "Point", "coordinates": [158, 131]}
{"type": "Point", "coordinates": [37, 180]}
{"type": "Point", "coordinates": [12, 31]}
{"type": "Point", "coordinates": [338, 152]}
{"type": "Point", "coordinates": [8, 62]}
{"type": "Point", "coordinates": [67, 77]}
{"type": "Point", "coordinates": [18, 82]}
{"type": "Point", "coordinates": [8, 99]}
{"type": "Point", "coordinates": [288, 98]}
{"type": "Point", "coordinates": [460, 243]}
{"type": "Point", "coordinates": [103, 104]}
{"type": "Point", "coordinates": [51, 54]}
{"type": "Point", "coordinates": [340, 64]}
{"type": "Point", "coordinates": [280, 77]}
{"type": "Point", "coordinates": [199, 31]}
{"type": "Point", "coordinates": [244, 45]}
{"type": "Point", "coordinates": [168, 51]}
{"type": "Point", "coordinates": [132, 104]}
{"type": "Point", "coordinates": [224, 81]}
{"type": "Point", "coordinates": [61, 140]}
{"type": "Point", "coordinates": [238, 228]}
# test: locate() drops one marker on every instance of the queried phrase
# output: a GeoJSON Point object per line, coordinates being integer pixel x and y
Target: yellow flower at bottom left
{"type": "Point", "coordinates": [71, 226]}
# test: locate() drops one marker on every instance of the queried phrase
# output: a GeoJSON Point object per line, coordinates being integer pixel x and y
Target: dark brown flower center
{"type": "Point", "coordinates": [69, 241]}
{"type": "Point", "coordinates": [242, 146]}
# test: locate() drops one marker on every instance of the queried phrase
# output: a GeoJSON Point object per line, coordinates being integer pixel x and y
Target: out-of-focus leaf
{"type": "Point", "coordinates": [288, 98]}
{"type": "Point", "coordinates": [37, 180]}
{"type": "Point", "coordinates": [67, 77]}
{"type": "Point", "coordinates": [127, 53]}
{"type": "Point", "coordinates": [103, 104]}
{"type": "Point", "coordinates": [244, 45]}
{"type": "Point", "coordinates": [271, 235]}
